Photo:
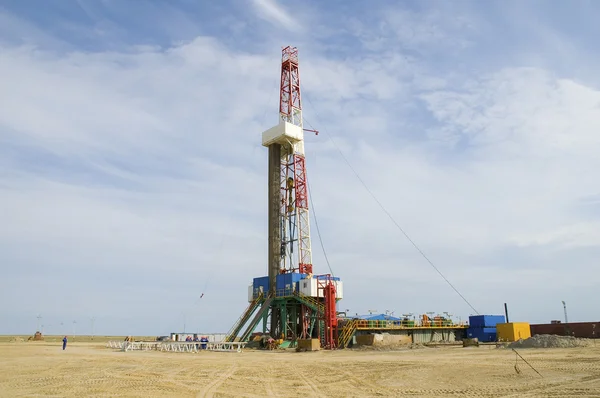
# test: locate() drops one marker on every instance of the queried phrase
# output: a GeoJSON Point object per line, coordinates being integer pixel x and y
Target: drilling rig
{"type": "Point", "coordinates": [291, 301]}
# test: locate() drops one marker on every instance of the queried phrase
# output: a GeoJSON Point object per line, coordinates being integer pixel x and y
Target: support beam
{"type": "Point", "coordinates": [274, 227]}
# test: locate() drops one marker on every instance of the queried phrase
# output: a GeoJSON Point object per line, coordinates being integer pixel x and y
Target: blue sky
{"type": "Point", "coordinates": [132, 174]}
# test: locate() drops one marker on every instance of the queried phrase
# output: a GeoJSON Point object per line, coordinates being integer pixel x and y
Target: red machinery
{"type": "Point", "coordinates": [326, 284]}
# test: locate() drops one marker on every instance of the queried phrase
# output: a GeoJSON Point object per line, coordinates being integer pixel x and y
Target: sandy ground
{"type": "Point", "coordinates": [89, 369]}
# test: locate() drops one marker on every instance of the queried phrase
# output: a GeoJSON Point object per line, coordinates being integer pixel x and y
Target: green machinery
{"type": "Point", "coordinates": [297, 316]}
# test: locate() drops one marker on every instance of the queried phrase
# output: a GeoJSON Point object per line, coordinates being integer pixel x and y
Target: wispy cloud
{"type": "Point", "coordinates": [273, 12]}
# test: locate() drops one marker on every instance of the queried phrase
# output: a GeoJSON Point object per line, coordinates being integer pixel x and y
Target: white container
{"type": "Point", "coordinates": [282, 133]}
{"type": "Point", "coordinates": [339, 289]}
{"type": "Point", "coordinates": [310, 287]}
{"type": "Point", "coordinates": [250, 293]}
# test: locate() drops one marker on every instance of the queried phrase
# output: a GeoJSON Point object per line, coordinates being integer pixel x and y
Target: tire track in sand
{"type": "Point", "coordinates": [269, 383]}
{"type": "Point", "coordinates": [312, 385]}
{"type": "Point", "coordinates": [212, 387]}
{"type": "Point", "coordinates": [564, 387]}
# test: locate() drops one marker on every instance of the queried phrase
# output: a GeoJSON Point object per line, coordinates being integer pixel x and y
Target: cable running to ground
{"type": "Point", "coordinates": [314, 213]}
{"type": "Point", "coordinates": [385, 210]}
{"type": "Point", "coordinates": [524, 360]}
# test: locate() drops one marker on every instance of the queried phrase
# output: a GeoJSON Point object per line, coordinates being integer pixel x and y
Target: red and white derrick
{"type": "Point", "coordinates": [295, 220]}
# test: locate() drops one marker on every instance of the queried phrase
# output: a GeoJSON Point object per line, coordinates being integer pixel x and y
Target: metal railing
{"type": "Point", "coordinates": [347, 333]}
{"type": "Point", "coordinates": [177, 346]}
{"type": "Point", "coordinates": [235, 329]}
{"type": "Point", "coordinates": [403, 324]}
{"type": "Point", "coordinates": [251, 325]}
{"type": "Point", "coordinates": [313, 301]}
{"type": "Point", "coordinates": [277, 293]}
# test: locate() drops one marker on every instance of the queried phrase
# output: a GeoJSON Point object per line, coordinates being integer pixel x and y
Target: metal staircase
{"type": "Point", "coordinates": [239, 324]}
{"type": "Point", "coordinates": [264, 307]}
{"type": "Point", "coordinates": [312, 302]}
{"type": "Point", "coordinates": [347, 333]}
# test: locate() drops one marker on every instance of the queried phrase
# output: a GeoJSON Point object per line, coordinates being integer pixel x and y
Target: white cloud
{"type": "Point", "coordinates": [273, 12]}
{"type": "Point", "coordinates": [573, 235]}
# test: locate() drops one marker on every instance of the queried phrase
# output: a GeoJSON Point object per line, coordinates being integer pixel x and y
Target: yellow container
{"type": "Point", "coordinates": [513, 331]}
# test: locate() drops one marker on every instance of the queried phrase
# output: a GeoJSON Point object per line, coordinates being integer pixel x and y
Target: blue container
{"type": "Point", "coordinates": [280, 283]}
{"type": "Point", "coordinates": [487, 337]}
{"type": "Point", "coordinates": [287, 281]}
{"type": "Point", "coordinates": [482, 334]}
{"type": "Point", "coordinates": [485, 321]}
{"type": "Point", "coordinates": [263, 282]}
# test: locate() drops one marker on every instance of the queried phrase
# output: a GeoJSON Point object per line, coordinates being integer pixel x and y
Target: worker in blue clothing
{"type": "Point", "coordinates": [65, 342]}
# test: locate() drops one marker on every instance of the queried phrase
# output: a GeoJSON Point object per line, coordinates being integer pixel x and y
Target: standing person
{"type": "Point", "coordinates": [65, 343]}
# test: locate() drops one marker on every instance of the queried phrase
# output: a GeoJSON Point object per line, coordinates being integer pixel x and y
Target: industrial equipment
{"type": "Point", "coordinates": [291, 301]}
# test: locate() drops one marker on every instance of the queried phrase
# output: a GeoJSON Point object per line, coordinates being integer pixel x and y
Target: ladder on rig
{"type": "Point", "coordinates": [264, 308]}
{"type": "Point", "coordinates": [243, 319]}
{"type": "Point", "coordinates": [322, 332]}
{"type": "Point", "coordinates": [347, 333]}
{"type": "Point", "coordinates": [312, 302]}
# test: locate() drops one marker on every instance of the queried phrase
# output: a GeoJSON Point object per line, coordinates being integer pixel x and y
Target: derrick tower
{"type": "Point", "coordinates": [292, 302]}
{"type": "Point", "coordinates": [289, 227]}
{"type": "Point", "coordinates": [287, 177]}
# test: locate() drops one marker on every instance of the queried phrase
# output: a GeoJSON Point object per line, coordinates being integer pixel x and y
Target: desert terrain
{"type": "Point", "coordinates": [88, 369]}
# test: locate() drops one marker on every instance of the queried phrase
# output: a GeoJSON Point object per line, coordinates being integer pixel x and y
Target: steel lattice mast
{"type": "Point", "coordinates": [295, 222]}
